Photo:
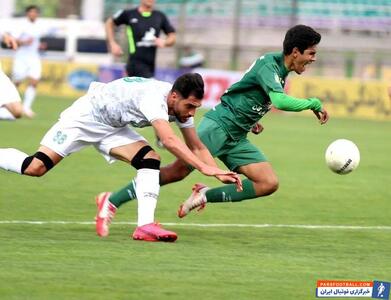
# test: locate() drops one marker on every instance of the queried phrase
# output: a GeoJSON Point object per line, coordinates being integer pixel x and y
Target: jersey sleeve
{"type": "Point", "coordinates": [120, 17]}
{"type": "Point", "coordinates": [166, 25]}
{"type": "Point", "coordinates": [188, 124]}
{"type": "Point", "coordinates": [288, 103]}
{"type": "Point", "coordinates": [269, 80]}
{"type": "Point", "coordinates": [153, 109]}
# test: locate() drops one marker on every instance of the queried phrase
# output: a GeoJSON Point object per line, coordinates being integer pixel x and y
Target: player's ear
{"type": "Point", "coordinates": [295, 52]}
{"type": "Point", "coordinates": [175, 95]}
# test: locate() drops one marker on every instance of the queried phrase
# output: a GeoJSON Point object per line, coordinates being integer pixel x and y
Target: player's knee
{"type": "Point", "coordinates": [17, 112]}
{"type": "Point", "coordinates": [152, 155]}
{"type": "Point", "coordinates": [17, 115]}
{"type": "Point", "coordinates": [15, 108]}
{"type": "Point", "coordinates": [37, 167]}
{"type": "Point", "coordinates": [271, 185]}
{"type": "Point", "coordinates": [267, 186]}
{"type": "Point", "coordinates": [146, 158]}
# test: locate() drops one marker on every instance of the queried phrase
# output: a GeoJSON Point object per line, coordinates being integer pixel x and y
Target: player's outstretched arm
{"type": "Point", "coordinates": [177, 147]}
{"type": "Point", "coordinates": [285, 102]}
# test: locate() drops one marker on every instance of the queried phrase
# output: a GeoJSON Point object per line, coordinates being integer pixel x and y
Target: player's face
{"type": "Point", "coordinates": [186, 108]}
{"type": "Point", "coordinates": [32, 14]}
{"type": "Point", "coordinates": [148, 3]}
{"type": "Point", "coordinates": [301, 60]}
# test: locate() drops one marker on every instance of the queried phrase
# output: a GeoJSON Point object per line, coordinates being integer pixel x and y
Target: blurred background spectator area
{"type": "Point", "coordinates": [229, 34]}
{"type": "Point", "coordinates": [366, 15]}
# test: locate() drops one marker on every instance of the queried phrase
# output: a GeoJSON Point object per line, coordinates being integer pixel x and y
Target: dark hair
{"type": "Point", "coordinates": [302, 37]}
{"type": "Point", "coordinates": [31, 7]}
{"type": "Point", "coordinates": [189, 84]}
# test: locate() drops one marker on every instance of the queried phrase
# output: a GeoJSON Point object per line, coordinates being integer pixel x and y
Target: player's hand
{"type": "Point", "coordinates": [257, 128]}
{"type": "Point", "coordinates": [322, 116]}
{"type": "Point", "coordinates": [214, 171]}
{"type": "Point", "coordinates": [10, 41]}
{"type": "Point", "coordinates": [116, 49]}
{"type": "Point", "coordinates": [160, 43]}
{"type": "Point", "coordinates": [231, 179]}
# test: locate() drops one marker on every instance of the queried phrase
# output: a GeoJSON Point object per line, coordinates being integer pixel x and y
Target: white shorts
{"type": "Point", "coordinates": [77, 129]}
{"type": "Point", "coordinates": [26, 66]}
{"type": "Point", "coordinates": [8, 91]}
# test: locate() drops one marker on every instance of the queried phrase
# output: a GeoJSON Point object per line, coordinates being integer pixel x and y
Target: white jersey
{"type": "Point", "coordinates": [128, 101]}
{"type": "Point", "coordinates": [29, 30]}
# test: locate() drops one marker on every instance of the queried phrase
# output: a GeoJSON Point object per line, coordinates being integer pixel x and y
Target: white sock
{"type": "Point", "coordinates": [5, 114]}
{"type": "Point", "coordinates": [12, 160]}
{"type": "Point", "coordinates": [147, 191]}
{"type": "Point", "coordinates": [29, 96]}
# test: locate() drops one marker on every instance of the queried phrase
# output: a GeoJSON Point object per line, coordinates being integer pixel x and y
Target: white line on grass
{"type": "Point", "coordinates": [300, 226]}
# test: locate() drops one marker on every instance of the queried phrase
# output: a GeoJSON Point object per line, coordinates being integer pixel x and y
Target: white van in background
{"type": "Point", "coordinates": [73, 40]}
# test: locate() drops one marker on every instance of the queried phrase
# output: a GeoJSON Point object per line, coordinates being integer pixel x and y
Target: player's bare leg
{"type": "Point", "coordinates": [261, 181]}
{"type": "Point", "coordinates": [36, 165]}
{"type": "Point", "coordinates": [262, 175]}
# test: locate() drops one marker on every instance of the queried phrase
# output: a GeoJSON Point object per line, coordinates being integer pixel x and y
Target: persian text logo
{"type": "Point", "coordinates": [352, 289]}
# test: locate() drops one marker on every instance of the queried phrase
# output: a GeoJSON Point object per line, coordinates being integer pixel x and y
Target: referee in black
{"type": "Point", "coordinates": [143, 28]}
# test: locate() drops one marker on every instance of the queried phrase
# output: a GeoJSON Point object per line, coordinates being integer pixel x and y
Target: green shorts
{"type": "Point", "coordinates": [232, 153]}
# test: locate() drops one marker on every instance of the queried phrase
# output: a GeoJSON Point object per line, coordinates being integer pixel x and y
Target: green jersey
{"type": "Point", "coordinates": [247, 101]}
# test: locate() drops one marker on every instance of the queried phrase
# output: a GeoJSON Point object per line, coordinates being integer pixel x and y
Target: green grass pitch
{"type": "Point", "coordinates": [68, 261]}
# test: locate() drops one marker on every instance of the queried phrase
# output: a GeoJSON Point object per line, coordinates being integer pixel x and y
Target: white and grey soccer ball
{"type": "Point", "coordinates": [342, 156]}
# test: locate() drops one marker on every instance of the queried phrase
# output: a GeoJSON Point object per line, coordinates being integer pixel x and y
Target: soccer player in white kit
{"type": "Point", "coordinates": [27, 60]}
{"type": "Point", "coordinates": [101, 118]}
{"type": "Point", "coordinates": [10, 103]}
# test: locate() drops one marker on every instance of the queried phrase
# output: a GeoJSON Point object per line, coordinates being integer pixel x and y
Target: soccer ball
{"type": "Point", "coordinates": [342, 156]}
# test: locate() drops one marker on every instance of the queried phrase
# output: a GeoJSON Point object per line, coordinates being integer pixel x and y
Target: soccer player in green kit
{"type": "Point", "coordinates": [224, 129]}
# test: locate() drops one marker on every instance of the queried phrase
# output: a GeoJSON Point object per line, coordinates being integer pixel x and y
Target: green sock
{"type": "Point", "coordinates": [228, 193]}
{"type": "Point", "coordinates": [124, 195]}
